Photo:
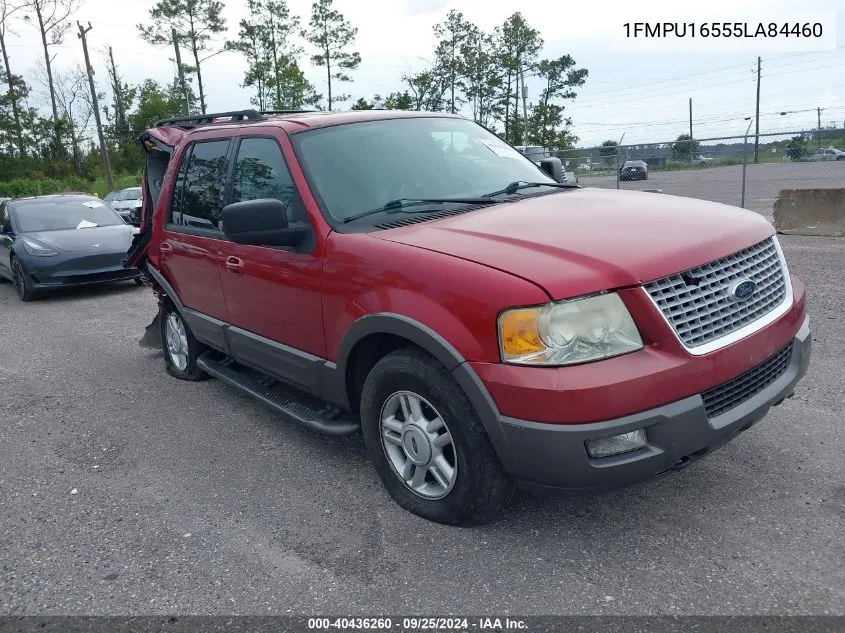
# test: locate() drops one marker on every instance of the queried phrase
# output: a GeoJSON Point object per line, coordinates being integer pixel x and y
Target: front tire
{"type": "Point", "coordinates": [21, 281]}
{"type": "Point", "coordinates": [181, 349]}
{"type": "Point", "coordinates": [427, 443]}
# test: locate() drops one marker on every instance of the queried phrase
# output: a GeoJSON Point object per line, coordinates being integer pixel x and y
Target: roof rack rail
{"type": "Point", "coordinates": [286, 111]}
{"type": "Point", "coordinates": [207, 119]}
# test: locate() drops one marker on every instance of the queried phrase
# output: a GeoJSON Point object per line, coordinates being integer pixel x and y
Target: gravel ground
{"type": "Point", "coordinates": [124, 491]}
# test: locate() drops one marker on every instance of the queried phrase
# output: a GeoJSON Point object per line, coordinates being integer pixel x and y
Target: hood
{"type": "Point", "coordinates": [108, 239]}
{"type": "Point", "coordinates": [586, 240]}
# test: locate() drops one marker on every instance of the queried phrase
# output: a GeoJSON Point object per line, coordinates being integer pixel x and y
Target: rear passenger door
{"type": "Point", "coordinates": [193, 239]}
{"type": "Point", "coordinates": [273, 293]}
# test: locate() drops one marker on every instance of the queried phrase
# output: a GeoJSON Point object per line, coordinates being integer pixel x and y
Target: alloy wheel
{"type": "Point", "coordinates": [418, 445]}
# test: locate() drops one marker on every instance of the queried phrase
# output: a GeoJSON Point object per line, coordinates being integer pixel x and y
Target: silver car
{"type": "Point", "coordinates": [128, 204]}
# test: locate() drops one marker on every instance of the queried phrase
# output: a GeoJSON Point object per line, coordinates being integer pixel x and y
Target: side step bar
{"type": "Point", "coordinates": [289, 402]}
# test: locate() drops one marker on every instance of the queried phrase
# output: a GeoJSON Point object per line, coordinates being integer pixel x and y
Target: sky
{"type": "Point", "coordinates": [643, 95]}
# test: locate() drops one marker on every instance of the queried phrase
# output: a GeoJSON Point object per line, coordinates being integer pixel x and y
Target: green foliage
{"type": "Point", "coordinates": [332, 35]}
{"type": "Point", "coordinates": [272, 67]}
{"type": "Point", "coordinates": [196, 22]}
{"type": "Point", "coordinates": [685, 148]}
{"type": "Point", "coordinates": [452, 36]}
{"type": "Point", "coordinates": [362, 104]}
{"type": "Point", "coordinates": [797, 148]}
{"type": "Point", "coordinates": [399, 101]}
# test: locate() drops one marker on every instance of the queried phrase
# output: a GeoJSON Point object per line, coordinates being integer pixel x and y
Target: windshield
{"type": "Point", "coordinates": [63, 214]}
{"type": "Point", "coordinates": [129, 194]}
{"type": "Point", "coordinates": [361, 166]}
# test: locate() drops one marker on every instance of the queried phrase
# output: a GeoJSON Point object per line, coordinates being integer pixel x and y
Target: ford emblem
{"type": "Point", "coordinates": [743, 290]}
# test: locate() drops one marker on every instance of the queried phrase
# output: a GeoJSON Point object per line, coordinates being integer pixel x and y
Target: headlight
{"type": "Point", "coordinates": [36, 248]}
{"type": "Point", "coordinates": [568, 332]}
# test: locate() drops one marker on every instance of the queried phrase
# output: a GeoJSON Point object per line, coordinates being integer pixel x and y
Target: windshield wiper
{"type": "Point", "coordinates": [398, 205]}
{"type": "Point", "coordinates": [517, 185]}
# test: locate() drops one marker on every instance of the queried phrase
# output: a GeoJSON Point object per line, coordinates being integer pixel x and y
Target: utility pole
{"type": "Point", "coordinates": [181, 72]}
{"type": "Point", "coordinates": [690, 117]}
{"type": "Point", "coordinates": [757, 117]}
{"type": "Point", "coordinates": [104, 151]}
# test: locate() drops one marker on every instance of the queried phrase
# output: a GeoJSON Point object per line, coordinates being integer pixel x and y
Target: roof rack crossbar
{"type": "Point", "coordinates": [206, 119]}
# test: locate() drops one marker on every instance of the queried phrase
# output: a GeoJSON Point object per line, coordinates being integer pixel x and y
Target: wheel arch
{"type": "Point", "coordinates": [373, 336]}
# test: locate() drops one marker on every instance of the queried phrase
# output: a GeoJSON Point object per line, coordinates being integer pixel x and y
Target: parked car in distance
{"type": "Point", "coordinates": [55, 241]}
{"type": "Point", "coordinates": [110, 197]}
{"type": "Point", "coordinates": [703, 160]}
{"type": "Point", "coordinates": [634, 170]}
{"type": "Point", "coordinates": [128, 204]}
{"type": "Point", "coordinates": [482, 325]}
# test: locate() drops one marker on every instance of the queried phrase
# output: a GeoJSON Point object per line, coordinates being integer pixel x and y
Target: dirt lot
{"type": "Point", "coordinates": [192, 499]}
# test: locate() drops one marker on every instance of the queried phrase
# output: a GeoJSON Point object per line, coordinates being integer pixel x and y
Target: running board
{"type": "Point", "coordinates": [294, 405]}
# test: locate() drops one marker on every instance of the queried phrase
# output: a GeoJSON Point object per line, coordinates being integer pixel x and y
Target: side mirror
{"type": "Point", "coordinates": [259, 222]}
{"type": "Point", "coordinates": [553, 167]}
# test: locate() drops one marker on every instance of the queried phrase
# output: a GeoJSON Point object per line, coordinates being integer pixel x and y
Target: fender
{"type": "Point", "coordinates": [429, 340]}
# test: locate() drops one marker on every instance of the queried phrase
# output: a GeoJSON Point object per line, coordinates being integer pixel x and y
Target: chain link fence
{"type": "Point", "coordinates": [731, 169]}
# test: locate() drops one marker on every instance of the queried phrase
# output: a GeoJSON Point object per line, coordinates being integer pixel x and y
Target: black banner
{"type": "Point", "coordinates": [432, 624]}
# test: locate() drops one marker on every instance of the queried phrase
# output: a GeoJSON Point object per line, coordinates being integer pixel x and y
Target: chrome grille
{"type": "Point", "coordinates": [734, 392]}
{"type": "Point", "coordinates": [698, 303]}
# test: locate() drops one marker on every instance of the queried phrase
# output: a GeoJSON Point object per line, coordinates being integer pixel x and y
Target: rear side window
{"type": "Point", "coordinates": [261, 172]}
{"type": "Point", "coordinates": [198, 196]}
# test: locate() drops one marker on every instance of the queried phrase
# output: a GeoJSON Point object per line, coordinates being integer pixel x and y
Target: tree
{"type": "Point", "coordinates": [362, 104]}
{"type": "Point", "coordinates": [195, 22]}
{"type": "Point", "coordinates": [608, 150]}
{"type": "Point", "coordinates": [157, 102]}
{"type": "Point", "coordinates": [295, 92]}
{"type": "Point", "coordinates": [73, 98]}
{"type": "Point", "coordinates": [52, 18]}
{"type": "Point", "coordinates": [797, 148]}
{"type": "Point", "coordinates": [264, 40]}
{"type": "Point", "coordinates": [428, 89]}
{"type": "Point", "coordinates": [685, 148]}
{"type": "Point", "coordinates": [482, 73]}
{"type": "Point", "coordinates": [519, 46]}
{"type": "Point", "coordinates": [399, 101]}
{"type": "Point", "coordinates": [560, 77]}
{"type": "Point", "coordinates": [332, 35]}
{"type": "Point", "coordinates": [452, 34]}
{"type": "Point", "coordinates": [7, 12]}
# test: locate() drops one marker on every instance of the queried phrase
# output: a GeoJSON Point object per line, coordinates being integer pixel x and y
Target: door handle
{"type": "Point", "coordinates": [166, 247]}
{"type": "Point", "coordinates": [235, 265]}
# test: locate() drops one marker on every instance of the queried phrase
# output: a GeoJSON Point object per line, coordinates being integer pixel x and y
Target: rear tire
{"type": "Point", "coordinates": [427, 443]}
{"type": "Point", "coordinates": [181, 349]}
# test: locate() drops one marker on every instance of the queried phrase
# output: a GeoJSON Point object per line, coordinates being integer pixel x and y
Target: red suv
{"type": "Point", "coordinates": [485, 326]}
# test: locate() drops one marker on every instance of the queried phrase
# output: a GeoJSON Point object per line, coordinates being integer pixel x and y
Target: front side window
{"type": "Point", "coordinates": [198, 196]}
{"type": "Point", "coordinates": [356, 167]}
{"type": "Point", "coordinates": [261, 172]}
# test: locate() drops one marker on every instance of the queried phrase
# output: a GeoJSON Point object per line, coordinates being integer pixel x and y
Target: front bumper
{"type": "Point", "coordinates": [47, 273]}
{"type": "Point", "coordinates": [553, 458]}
